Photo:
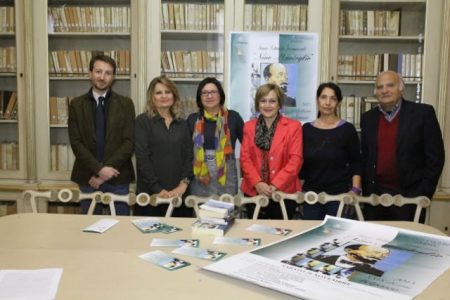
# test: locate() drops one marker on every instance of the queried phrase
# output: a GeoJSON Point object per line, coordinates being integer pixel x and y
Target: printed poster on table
{"type": "Point", "coordinates": [345, 259]}
{"type": "Point", "coordinates": [287, 59]}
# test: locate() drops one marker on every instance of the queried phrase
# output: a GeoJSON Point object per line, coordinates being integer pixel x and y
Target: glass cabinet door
{"type": "Point", "coordinates": [192, 45]}
{"type": "Point", "coordinates": [374, 36]}
{"type": "Point", "coordinates": [11, 160]}
{"type": "Point", "coordinates": [77, 30]}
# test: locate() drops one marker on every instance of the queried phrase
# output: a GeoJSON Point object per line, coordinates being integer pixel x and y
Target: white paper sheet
{"type": "Point", "coordinates": [29, 284]}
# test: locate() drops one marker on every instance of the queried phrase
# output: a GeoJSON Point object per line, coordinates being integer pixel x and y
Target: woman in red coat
{"type": "Point", "coordinates": [271, 152]}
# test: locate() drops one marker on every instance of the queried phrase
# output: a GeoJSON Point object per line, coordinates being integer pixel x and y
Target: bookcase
{"type": "Point", "coordinates": [12, 142]}
{"type": "Point", "coordinates": [74, 32]}
{"type": "Point", "coordinates": [373, 36]}
{"type": "Point", "coordinates": [192, 37]}
{"type": "Point", "coordinates": [52, 40]}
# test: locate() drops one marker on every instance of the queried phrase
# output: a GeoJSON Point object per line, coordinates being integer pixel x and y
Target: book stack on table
{"type": "Point", "coordinates": [215, 217]}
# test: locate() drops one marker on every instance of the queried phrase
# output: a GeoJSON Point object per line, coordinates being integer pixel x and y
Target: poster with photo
{"type": "Point", "coordinates": [288, 59]}
{"type": "Point", "coordinates": [345, 259]}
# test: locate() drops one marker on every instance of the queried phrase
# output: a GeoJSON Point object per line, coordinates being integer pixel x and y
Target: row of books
{"type": "Point", "coordinates": [8, 105]}
{"type": "Point", "coordinates": [191, 64]}
{"type": "Point", "coordinates": [62, 157]}
{"type": "Point", "coordinates": [367, 66]}
{"type": "Point", "coordinates": [275, 17]}
{"type": "Point", "coordinates": [89, 19]}
{"type": "Point", "coordinates": [369, 22]}
{"type": "Point", "coordinates": [76, 62]}
{"type": "Point", "coordinates": [215, 218]}
{"type": "Point", "coordinates": [59, 110]}
{"type": "Point", "coordinates": [352, 107]}
{"type": "Point", "coordinates": [8, 20]}
{"type": "Point", "coordinates": [9, 156]}
{"type": "Point", "coordinates": [7, 59]}
{"type": "Point", "coordinates": [192, 16]}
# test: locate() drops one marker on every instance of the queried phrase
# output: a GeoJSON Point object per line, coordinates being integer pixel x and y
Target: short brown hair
{"type": "Point", "coordinates": [104, 58]}
{"type": "Point", "coordinates": [265, 89]}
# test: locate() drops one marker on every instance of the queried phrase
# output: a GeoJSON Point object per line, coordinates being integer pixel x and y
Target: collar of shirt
{"type": "Point", "coordinates": [96, 96]}
{"type": "Point", "coordinates": [390, 115]}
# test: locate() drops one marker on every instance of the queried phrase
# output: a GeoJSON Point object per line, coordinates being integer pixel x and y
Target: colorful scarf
{"type": "Point", "coordinates": [222, 142]}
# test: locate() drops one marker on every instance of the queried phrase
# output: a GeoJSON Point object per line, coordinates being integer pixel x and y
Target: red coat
{"type": "Point", "coordinates": [285, 157]}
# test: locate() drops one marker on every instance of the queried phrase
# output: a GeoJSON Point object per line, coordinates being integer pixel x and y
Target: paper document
{"type": "Point", "coordinates": [101, 225]}
{"type": "Point", "coordinates": [29, 284]}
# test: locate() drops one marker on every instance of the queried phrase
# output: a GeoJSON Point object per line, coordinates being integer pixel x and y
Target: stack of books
{"type": "Point", "coordinates": [215, 217]}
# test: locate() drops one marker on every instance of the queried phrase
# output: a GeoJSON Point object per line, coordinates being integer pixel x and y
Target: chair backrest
{"type": "Point", "coordinates": [387, 200]}
{"type": "Point", "coordinates": [111, 198]}
{"type": "Point", "coordinates": [312, 198]}
{"type": "Point", "coordinates": [259, 201]}
{"type": "Point", "coordinates": [67, 195]}
{"type": "Point", "coordinates": [280, 197]}
{"type": "Point", "coordinates": [33, 196]}
{"type": "Point", "coordinates": [144, 199]}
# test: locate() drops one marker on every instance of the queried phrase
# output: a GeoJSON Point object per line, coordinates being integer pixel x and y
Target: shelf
{"type": "Point", "coordinates": [81, 77]}
{"type": "Point", "coordinates": [12, 121]}
{"type": "Point", "coordinates": [88, 35]}
{"type": "Point", "coordinates": [371, 82]}
{"type": "Point", "coordinates": [378, 38]}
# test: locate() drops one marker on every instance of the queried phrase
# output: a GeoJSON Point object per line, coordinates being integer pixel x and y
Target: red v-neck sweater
{"type": "Point", "coordinates": [387, 171]}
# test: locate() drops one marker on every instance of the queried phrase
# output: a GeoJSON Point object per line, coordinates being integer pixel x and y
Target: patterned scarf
{"type": "Point", "coordinates": [263, 139]}
{"type": "Point", "coordinates": [222, 142]}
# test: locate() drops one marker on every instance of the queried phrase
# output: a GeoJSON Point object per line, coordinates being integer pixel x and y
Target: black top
{"type": "Point", "coordinates": [331, 158]}
{"type": "Point", "coordinates": [235, 125]}
{"type": "Point", "coordinates": [163, 156]}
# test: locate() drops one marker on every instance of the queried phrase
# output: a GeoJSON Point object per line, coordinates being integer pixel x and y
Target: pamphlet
{"type": "Point", "coordinates": [153, 225]}
{"type": "Point", "coordinates": [237, 241]}
{"type": "Point", "coordinates": [200, 253]}
{"type": "Point", "coordinates": [268, 229]}
{"type": "Point", "coordinates": [101, 225]}
{"type": "Point", "coordinates": [164, 260]}
{"type": "Point", "coordinates": [174, 243]}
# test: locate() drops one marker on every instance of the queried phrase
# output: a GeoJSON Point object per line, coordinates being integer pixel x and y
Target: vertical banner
{"type": "Point", "coordinates": [287, 59]}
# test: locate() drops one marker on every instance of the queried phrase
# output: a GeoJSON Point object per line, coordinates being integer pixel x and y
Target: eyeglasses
{"type": "Point", "coordinates": [208, 93]}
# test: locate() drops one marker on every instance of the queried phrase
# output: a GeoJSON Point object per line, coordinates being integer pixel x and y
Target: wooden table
{"type": "Point", "coordinates": [106, 266]}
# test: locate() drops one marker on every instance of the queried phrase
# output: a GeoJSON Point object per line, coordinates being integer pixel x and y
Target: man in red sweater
{"type": "Point", "coordinates": [402, 147]}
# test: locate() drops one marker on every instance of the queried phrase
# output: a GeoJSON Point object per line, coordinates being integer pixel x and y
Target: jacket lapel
{"type": "Point", "coordinates": [87, 111]}
{"type": "Point", "coordinates": [280, 132]}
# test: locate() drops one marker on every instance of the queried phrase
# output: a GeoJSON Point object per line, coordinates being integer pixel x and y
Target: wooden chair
{"type": "Point", "coordinates": [67, 195]}
{"type": "Point", "coordinates": [144, 199]}
{"type": "Point", "coordinates": [33, 197]}
{"type": "Point", "coordinates": [280, 197]}
{"type": "Point", "coordinates": [387, 200]}
{"type": "Point", "coordinates": [259, 201]}
{"type": "Point", "coordinates": [110, 199]}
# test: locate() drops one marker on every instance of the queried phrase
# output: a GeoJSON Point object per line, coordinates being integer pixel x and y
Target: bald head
{"type": "Point", "coordinates": [389, 89]}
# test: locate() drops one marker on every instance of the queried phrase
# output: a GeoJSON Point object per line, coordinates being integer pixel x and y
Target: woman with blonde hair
{"type": "Point", "coordinates": [163, 148]}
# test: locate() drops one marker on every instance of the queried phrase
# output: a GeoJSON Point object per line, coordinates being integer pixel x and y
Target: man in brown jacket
{"type": "Point", "coordinates": [101, 132]}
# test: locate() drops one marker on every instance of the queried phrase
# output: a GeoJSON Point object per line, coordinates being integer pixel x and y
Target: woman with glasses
{"type": "Point", "coordinates": [163, 148]}
{"type": "Point", "coordinates": [271, 152]}
{"type": "Point", "coordinates": [332, 154]}
{"type": "Point", "coordinates": [214, 131]}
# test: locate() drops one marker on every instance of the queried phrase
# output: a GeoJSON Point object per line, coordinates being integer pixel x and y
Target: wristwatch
{"type": "Point", "coordinates": [186, 180]}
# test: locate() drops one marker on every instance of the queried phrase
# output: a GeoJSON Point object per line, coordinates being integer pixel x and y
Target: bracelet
{"type": "Point", "coordinates": [356, 190]}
